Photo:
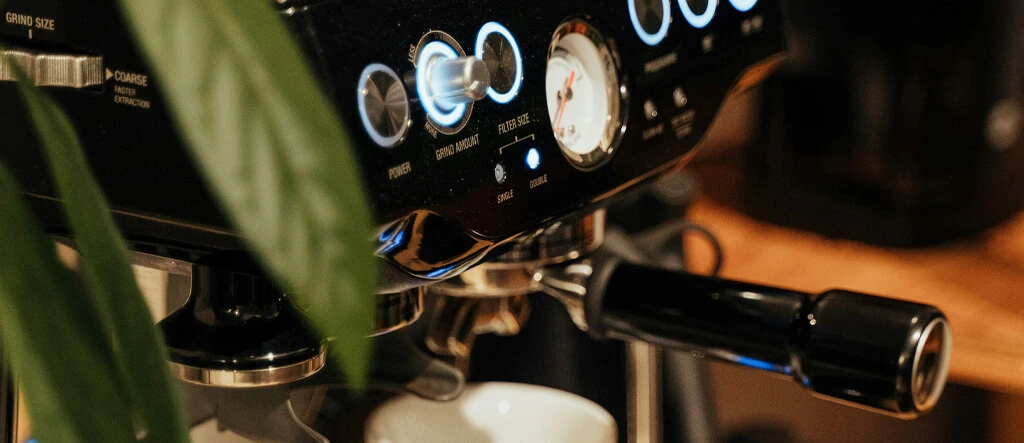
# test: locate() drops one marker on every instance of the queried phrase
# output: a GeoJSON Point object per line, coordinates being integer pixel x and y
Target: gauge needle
{"type": "Point", "coordinates": [565, 100]}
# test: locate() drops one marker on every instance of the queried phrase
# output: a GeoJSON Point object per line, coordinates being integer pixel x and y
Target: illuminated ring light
{"type": "Point", "coordinates": [381, 140]}
{"type": "Point", "coordinates": [443, 118]}
{"type": "Point", "coordinates": [743, 5]}
{"type": "Point", "coordinates": [491, 28]}
{"type": "Point", "coordinates": [657, 37]}
{"type": "Point", "coordinates": [699, 21]}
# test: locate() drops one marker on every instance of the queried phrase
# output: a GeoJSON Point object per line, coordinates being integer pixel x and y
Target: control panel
{"type": "Point", "coordinates": [496, 120]}
{"type": "Point", "coordinates": [474, 122]}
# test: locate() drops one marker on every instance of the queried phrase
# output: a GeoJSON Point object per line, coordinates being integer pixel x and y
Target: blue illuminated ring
{"type": "Point", "coordinates": [443, 118]}
{"type": "Point", "coordinates": [743, 5]}
{"type": "Point", "coordinates": [657, 37]}
{"type": "Point", "coordinates": [382, 141]}
{"type": "Point", "coordinates": [492, 28]}
{"type": "Point", "coordinates": [699, 21]}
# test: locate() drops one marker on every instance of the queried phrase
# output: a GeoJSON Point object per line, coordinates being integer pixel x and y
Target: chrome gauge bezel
{"type": "Point", "coordinates": [616, 90]}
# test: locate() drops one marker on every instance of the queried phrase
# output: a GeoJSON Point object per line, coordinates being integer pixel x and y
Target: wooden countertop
{"type": "Point", "coordinates": [978, 283]}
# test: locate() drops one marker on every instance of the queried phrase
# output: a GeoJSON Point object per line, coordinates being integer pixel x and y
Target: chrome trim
{"type": "Point", "coordinates": [938, 372]}
{"type": "Point", "coordinates": [618, 96]}
{"type": "Point", "coordinates": [562, 241]}
{"type": "Point", "coordinates": [515, 272]}
{"type": "Point", "coordinates": [643, 398]}
{"type": "Point", "coordinates": [225, 378]}
{"type": "Point", "coordinates": [569, 285]}
{"type": "Point", "coordinates": [366, 80]}
{"type": "Point", "coordinates": [160, 263]}
{"type": "Point", "coordinates": [168, 221]}
{"type": "Point", "coordinates": [48, 69]}
{"type": "Point", "coordinates": [403, 242]}
{"type": "Point", "coordinates": [489, 280]}
{"type": "Point", "coordinates": [442, 36]}
{"type": "Point", "coordinates": [458, 320]}
{"type": "Point", "coordinates": [396, 311]}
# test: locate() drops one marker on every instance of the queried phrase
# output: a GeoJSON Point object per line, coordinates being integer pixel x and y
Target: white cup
{"type": "Point", "coordinates": [493, 413]}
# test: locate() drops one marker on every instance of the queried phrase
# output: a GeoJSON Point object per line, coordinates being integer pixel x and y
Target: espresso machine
{"type": "Point", "coordinates": [495, 142]}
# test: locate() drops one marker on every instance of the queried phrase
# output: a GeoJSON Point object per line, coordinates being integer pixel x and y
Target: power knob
{"type": "Point", "coordinates": [447, 82]}
{"type": "Point", "coordinates": [383, 105]}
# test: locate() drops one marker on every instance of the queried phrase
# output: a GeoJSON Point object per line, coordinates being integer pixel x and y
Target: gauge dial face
{"type": "Point", "coordinates": [583, 95]}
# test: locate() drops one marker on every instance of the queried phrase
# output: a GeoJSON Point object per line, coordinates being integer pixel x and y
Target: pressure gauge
{"type": "Point", "coordinates": [584, 95]}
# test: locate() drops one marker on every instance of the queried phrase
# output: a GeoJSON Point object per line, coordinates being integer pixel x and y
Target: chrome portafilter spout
{"type": "Point", "coordinates": [887, 355]}
{"type": "Point", "coordinates": [491, 298]}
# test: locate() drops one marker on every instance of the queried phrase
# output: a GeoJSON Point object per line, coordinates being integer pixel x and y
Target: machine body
{"type": "Point", "coordinates": [459, 173]}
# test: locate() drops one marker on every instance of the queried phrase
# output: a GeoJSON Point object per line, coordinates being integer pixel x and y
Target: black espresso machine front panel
{"type": "Point", "coordinates": [474, 122]}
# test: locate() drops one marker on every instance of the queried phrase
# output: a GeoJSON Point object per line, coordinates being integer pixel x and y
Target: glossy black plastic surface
{"type": "Point", "coordinates": [461, 185]}
{"type": "Point", "coordinates": [861, 349]}
{"type": "Point", "coordinates": [853, 347]}
{"type": "Point", "coordinates": [448, 180]}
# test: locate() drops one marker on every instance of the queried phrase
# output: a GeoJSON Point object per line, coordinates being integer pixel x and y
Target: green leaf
{"type": "Point", "coordinates": [273, 149]}
{"type": "Point", "coordinates": [139, 351]}
{"type": "Point", "coordinates": [52, 336]}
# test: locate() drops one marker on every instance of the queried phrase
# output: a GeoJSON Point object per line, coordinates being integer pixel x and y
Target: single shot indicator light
{"type": "Point", "coordinates": [533, 159]}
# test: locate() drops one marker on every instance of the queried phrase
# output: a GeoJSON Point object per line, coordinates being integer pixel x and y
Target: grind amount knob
{"type": "Point", "coordinates": [454, 81]}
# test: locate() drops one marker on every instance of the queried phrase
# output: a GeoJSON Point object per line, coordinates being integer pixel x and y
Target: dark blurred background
{"type": "Point", "coordinates": [885, 156]}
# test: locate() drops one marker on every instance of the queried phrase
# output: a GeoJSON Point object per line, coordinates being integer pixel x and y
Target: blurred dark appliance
{"type": "Point", "coordinates": [895, 123]}
{"type": "Point", "coordinates": [491, 139]}
{"type": "Point", "coordinates": [8, 413]}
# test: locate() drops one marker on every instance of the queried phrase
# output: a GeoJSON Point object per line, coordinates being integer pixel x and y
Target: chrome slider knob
{"type": "Point", "coordinates": [55, 70]}
{"type": "Point", "coordinates": [454, 81]}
